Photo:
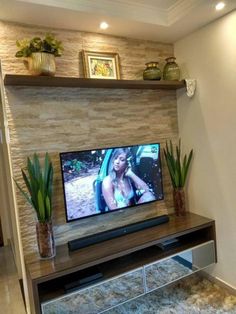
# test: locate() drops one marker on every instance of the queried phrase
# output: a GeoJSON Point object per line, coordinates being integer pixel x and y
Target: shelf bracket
{"type": "Point", "coordinates": [190, 87]}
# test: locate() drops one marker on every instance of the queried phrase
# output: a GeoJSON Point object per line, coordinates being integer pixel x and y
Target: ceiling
{"type": "Point", "coordinates": [159, 20]}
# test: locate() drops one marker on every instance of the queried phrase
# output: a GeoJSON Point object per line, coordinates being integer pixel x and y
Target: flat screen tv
{"type": "Point", "coordinates": [100, 181]}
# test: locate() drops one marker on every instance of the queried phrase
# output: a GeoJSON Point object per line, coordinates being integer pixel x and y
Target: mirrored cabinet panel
{"type": "Point", "coordinates": [178, 266]}
{"type": "Point", "coordinates": [99, 297]}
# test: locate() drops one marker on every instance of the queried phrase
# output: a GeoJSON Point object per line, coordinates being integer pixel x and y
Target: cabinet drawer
{"type": "Point", "coordinates": [178, 266]}
{"type": "Point", "coordinates": [99, 297]}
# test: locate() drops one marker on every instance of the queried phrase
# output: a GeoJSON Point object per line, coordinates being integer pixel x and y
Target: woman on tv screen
{"type": "Point", "coordinates": [122, 187]}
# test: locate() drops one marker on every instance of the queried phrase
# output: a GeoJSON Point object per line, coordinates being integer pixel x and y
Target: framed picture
{"type": "Point", "coordinates": [101, 65]}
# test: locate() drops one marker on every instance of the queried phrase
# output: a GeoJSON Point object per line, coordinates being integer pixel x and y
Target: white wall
{"type": "Point", "coordinates": [207, 123]}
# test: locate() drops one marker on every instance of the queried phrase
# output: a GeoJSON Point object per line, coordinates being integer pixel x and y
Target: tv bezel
{"type": "Point", "coordinates": [114, 210]}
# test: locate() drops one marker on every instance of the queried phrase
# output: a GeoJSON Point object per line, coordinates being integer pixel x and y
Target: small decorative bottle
{"type": "Point", "coordinates": [152, 71]}
{"type": "Point", "coordinates": [171, 70]}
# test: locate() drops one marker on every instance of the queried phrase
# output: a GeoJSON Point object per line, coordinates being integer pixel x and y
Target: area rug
{"type": "Point", "coordinates": [192, 295]}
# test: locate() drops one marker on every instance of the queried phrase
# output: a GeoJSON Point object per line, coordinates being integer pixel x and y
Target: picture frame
{"type": "Point", "coordinates": [101, 65]}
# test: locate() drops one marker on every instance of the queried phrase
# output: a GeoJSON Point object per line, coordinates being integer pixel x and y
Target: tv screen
{"type": "Point", "coordinates": [104, 180]}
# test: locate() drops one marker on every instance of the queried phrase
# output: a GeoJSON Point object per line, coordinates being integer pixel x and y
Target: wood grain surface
{"type": "Point", "coordinates": [110, 249]}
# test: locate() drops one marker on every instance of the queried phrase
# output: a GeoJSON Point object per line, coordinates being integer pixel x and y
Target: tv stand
{"type": "Point", "coordinates": [128, 262]}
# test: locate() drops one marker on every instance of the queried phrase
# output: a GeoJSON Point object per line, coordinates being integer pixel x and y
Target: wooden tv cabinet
{"type": "Point", "coordinates": [115, 257]}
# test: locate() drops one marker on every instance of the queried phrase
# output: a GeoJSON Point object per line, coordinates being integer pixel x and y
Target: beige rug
{"type": "Point", "coordinates": [193, 295]}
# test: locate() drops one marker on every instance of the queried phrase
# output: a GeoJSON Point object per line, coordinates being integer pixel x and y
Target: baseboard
{"type": "Point", "coordinates": [219, 282]}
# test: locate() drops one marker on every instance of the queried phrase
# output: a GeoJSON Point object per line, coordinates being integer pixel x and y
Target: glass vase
{"type": "Point", "coordinates": [152, 71]}
{"type": "Point", "coordinates": [179, 201]}
{"type": "Point", "coordinates": [45, 239]}
{"type": "Point", "coordinates": [171, 71]}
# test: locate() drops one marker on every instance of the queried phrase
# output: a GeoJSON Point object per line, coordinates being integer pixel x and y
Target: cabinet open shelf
{"type": "Point", "coordinates": [58, 81]}
{"type": "Point", "coordinates": [54, 288]}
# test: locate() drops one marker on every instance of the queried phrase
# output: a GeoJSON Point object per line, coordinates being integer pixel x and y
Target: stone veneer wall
{"type": "Point", "coordinates": [67, 119]}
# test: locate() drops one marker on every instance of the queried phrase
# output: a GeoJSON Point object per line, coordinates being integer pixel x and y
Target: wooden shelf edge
{"type": "Point", "coordinates": [99, 253]}
{"type": "Point", "coordinates": [59, 81]}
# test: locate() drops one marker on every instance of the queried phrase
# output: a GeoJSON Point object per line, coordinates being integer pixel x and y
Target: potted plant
{"type": "Point", "coordinates": [39, 183]}
{"type": "Point", "coordinates": [40, 54]}
{"type": "Point", "coordinates": [178, 169]}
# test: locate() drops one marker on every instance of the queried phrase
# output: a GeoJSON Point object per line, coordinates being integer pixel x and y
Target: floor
{"type": "Point", "coordinates": [11, 301]}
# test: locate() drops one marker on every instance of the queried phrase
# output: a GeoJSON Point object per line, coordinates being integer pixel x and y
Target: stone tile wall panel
{"type": "Point", "coordinates": [67, 119]}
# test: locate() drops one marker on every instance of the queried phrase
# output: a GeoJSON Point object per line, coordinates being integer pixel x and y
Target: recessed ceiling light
{"type": "Point", "coordinates": [104, 25]}
{"type": "Point", "coordinates": [220, 6]}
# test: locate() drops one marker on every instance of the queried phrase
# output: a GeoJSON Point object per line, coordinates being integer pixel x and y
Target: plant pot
{"type": "Point", "coordinates": [41, 63]}
{"type": "Point", "coordinates": [179, 201]}
{"type": "Point", "coordinates": [45, 238]}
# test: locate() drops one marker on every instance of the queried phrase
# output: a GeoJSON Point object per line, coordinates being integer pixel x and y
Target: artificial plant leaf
{"type": "Point", "coordinates": [172, 172]}
{"type": "Point", "coordinates": [50, 181]}
{"type": "Point", "coordinates": [41, 213]}
{"type": "Point", "coordinates": [19, 54]}
{"type": "Point", "coordinates": [27, 197]}
{"type": "Point", "coordinates": [34, 184]}
{"type": "Point", "coordinates": [36, 166]}
{"type": "Point", "coordinates": [178, 165]}
{"type": "Point", "coordinates": [46, 171]}
{"type": "Point", "coordinates": [183, 172]}
{"type": "Point", "coordinates": [187, 165]}
{"type": "Point", "coordinates": [170, 156]}
{"type": "Point", "coordinates": [48, 208]}
{"type": "Point", "coordinates": [27, 182]}
{"type": "Point", "coordinates": [177, 176]}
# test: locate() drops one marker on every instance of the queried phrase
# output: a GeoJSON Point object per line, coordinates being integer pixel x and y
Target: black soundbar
{"type": "Point", "coordinates": [114, 233]}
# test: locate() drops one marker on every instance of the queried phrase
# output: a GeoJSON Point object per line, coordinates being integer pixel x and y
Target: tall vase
{"type": "Point", "coordinates": [45, 238]}
{"type": "Point", "coordinates": [179, 201]}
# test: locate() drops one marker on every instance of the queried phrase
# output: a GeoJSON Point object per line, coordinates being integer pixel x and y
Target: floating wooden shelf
{"type": "Point", "coordinates": [57, 81]}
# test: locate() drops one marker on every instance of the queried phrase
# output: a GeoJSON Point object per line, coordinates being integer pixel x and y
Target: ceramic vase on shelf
{"type": "Point", "coordinates": [179, 201]}
{"type": "Point", "coordinates": [152, 71]}
{"type": "Point", "coordinates": [45, 239]}
{"type": "Point", "coordinates": [41, 63]}
{"type": "Point", "coordinates": [171, 71]}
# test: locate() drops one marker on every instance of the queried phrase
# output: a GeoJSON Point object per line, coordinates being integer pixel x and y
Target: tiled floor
{"type": "Point", "coordinates": [11, 301]}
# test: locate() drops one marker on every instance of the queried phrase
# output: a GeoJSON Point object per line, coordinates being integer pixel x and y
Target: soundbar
{"type": "Point", "coordinates": [114, 233]}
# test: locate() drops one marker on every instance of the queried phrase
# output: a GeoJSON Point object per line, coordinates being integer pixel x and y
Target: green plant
{"type": "Point", "coordinates": [39, 185]}
{"type": "Point", "coordinates": [49, 44]}
{"type": "Point", "coordinates": [178, 167]}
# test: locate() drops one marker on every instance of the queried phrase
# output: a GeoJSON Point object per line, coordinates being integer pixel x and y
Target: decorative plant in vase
{"type": "Point", "coordinates": [178, 169]}
{"type": "Point", "coordinates": [40, 54]}
{"type": "Point", "coordinates": [39, 183]}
